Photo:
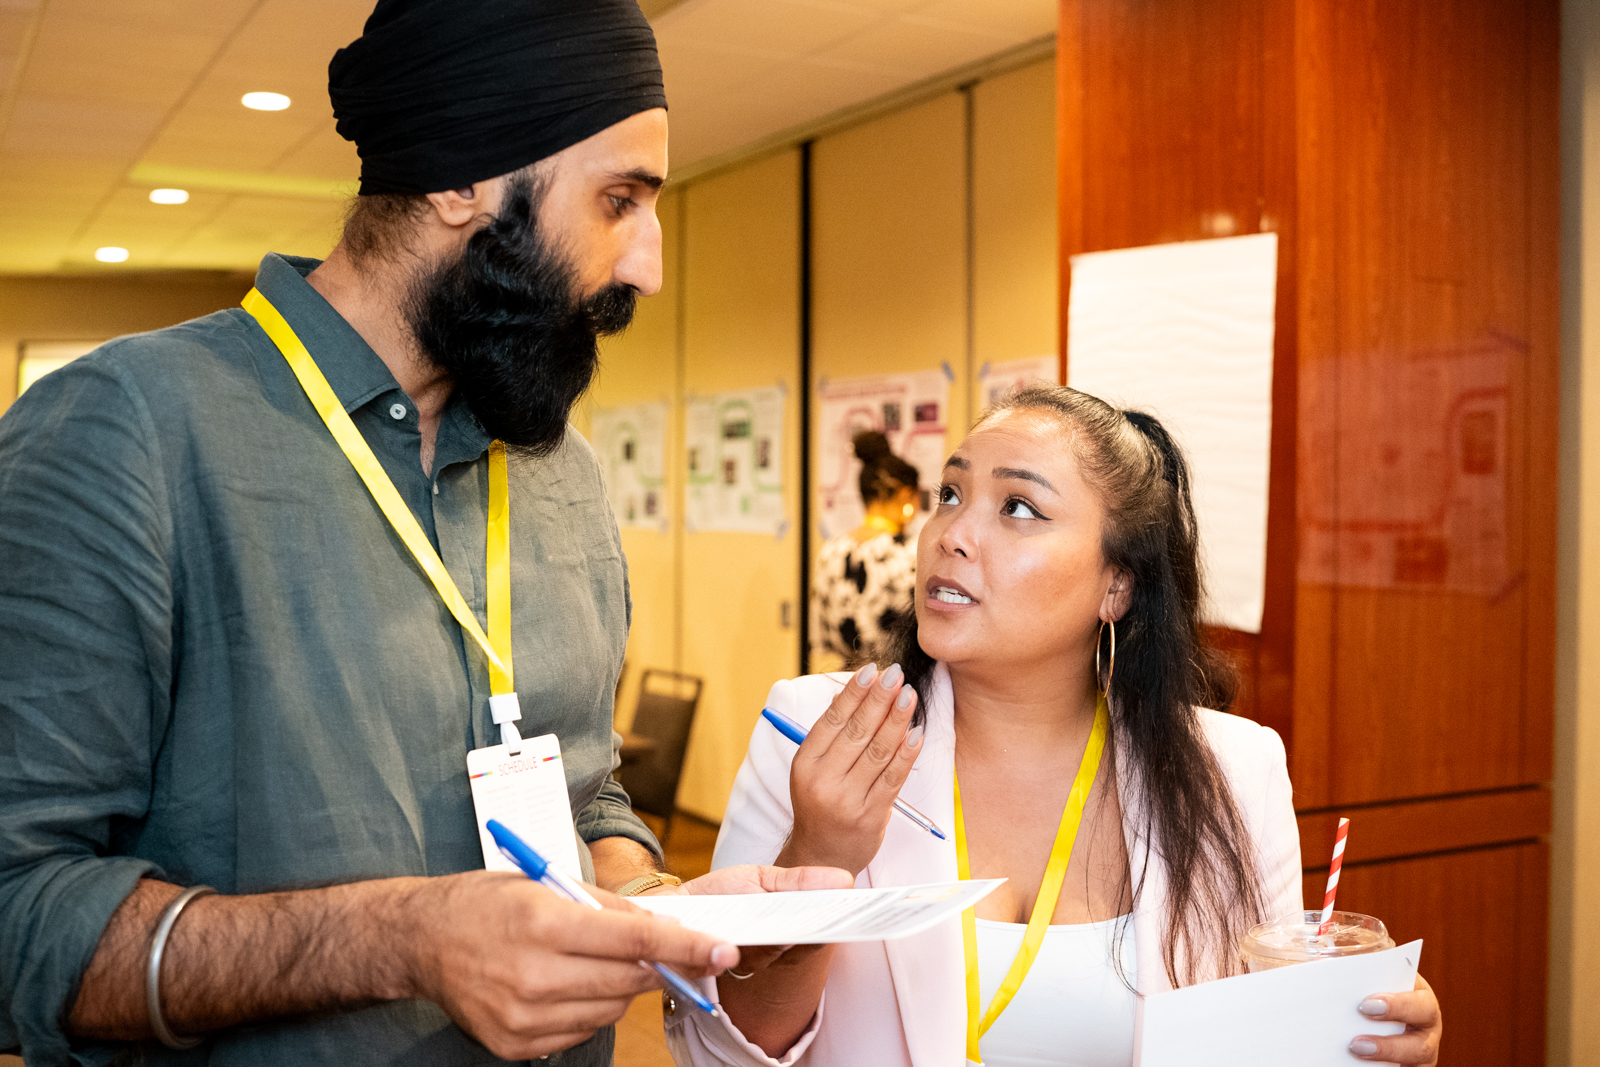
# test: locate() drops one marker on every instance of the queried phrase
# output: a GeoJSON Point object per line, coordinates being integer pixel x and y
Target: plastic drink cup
{"type": "Point", "coordinates": [1294, 939]}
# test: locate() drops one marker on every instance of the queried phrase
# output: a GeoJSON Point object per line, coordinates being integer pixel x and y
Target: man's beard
{"type": "Point", "coordinates": [506, 322]}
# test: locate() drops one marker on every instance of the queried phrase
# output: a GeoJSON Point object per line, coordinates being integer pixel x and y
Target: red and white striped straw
{"type": "Point", "coordinates": [1333, 876]}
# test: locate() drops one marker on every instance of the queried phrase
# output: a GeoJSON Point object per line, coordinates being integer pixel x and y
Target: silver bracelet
{"type": "Point", "coordinates": [152, 975]}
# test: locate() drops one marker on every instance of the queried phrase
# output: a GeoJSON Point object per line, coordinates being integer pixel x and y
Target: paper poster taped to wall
{"type": "Point", "coordinates": [1184, 331]}
{"type": "Point", "coordinates": [911, 410]}
{"type": "Point", "coordinates": [998, 380]}
{"type": "Point", "coordinates": [631, 443]}
{"type": "Point", "coordinates": [735, 458]}
{"type": "Point", "coordinates": [1420, 468]}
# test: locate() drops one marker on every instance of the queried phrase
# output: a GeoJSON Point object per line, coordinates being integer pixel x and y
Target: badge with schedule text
{"type": "Point", "coordinates": [526, 791]}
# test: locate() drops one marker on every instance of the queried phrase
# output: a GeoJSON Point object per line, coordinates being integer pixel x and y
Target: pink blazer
{"type": "Point", "coordinates": [903, 1003]}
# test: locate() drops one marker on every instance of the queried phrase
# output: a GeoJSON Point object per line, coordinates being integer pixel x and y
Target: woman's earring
{"type": "Point", "coordinates": [1111, 667]}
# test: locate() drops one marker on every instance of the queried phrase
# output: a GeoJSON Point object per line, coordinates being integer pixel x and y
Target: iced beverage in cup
{"type": "Point", "coordinates": [1294, 939]}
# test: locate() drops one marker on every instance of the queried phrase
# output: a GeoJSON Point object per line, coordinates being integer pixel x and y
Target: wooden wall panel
{"type": "Point", "coordinates": [1419, 115]}
{"type": "Point", "coordinates": [1480, 914]}
{"type": "Point", "coordinates": [1205, 149]}
{"type": "Point", "coordinates": [1405, 153]}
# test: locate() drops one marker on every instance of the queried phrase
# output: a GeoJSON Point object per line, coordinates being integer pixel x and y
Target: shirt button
{"type": "Point", "coordinates": [398, 411]}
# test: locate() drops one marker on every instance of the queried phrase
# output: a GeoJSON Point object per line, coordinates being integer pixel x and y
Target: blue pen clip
{"type": "Point", "coordinates": [535, 866]}
{"type": "Point", "coordinates": [797, 733]}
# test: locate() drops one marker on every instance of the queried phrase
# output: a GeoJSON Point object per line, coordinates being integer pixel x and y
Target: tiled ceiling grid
{"type": "Point", "coordinates": [103, 100]}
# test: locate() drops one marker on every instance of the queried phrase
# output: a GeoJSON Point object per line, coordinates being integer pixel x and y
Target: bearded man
{"type": "Point", "coordinates": [223, 661]}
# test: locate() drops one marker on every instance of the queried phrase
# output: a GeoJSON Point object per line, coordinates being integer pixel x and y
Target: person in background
{"type": "Point", "coordinates": [221, 667]}
{"type": "Point", "coordinates": [863, 579]}
{"type": "Point", "coordinates": [1052, 714]}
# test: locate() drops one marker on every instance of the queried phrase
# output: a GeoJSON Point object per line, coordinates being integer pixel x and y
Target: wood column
{"type": "Point", "coordinates": [1405, 153]}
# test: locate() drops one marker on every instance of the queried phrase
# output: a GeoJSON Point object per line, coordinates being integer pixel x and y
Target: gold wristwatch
{"type": "Point", "coordinates": [645, 883]}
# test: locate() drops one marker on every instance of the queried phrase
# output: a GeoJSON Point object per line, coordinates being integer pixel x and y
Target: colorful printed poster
{"type": "Point", "coordinates": [911, 410]}
{"type": "Point", "coordinates": [735, 459]}
{"type": "Point", "coordinates": [631, 443]}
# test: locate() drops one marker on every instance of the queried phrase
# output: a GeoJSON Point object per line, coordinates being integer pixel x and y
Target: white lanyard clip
{"type": "Point", "coordinates": [506, 711]}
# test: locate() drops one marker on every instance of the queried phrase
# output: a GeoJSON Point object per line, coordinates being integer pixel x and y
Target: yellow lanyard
{"type": "Point", "coordinates": [496, 644]}
{"type": "Point", "coordinates": [1043, 907]}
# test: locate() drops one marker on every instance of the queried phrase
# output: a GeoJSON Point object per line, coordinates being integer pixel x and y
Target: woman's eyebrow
{"type": "Point", "coordinates": [958, 463]}
{"type": "Point", "coordinates": [1025, 475]}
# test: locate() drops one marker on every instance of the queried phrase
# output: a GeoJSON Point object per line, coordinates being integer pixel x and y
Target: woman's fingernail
{"type": "Point", "coordinates": [724, 956]}
{"type": "Point", "coordinates": [1373, 1006]}
{"type": "Point", "coordinates": [866, 674]}
{"type": "Point", "coordinates": [903, 701]}
{"type": "Point", "coordinates": [892, 676]}
{"type": "Point", "coordinates": [1362, 1047]}
{"type": "Point", "coordinates": [914, 737]}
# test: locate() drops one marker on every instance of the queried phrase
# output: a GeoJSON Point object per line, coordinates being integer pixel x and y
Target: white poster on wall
{"type": "Point", "coordinates": [997, 380]}
{"type": "Point", "coordinates": [911, 410]}
{"type": "Point", "coordinates": [1184, 331]}
{"type": "Point", "coordinates": [631, 443]}
{"type": "Point", "coordinates": [735, 475]}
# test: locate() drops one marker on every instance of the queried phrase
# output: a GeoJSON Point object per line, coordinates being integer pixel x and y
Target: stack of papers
{"type": "Point", "coordinates": [1305, 1014]}
{"type": "Point", "coordinates": [822, 916]}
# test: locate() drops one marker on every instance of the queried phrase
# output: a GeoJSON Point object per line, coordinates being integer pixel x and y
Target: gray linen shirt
{"type": "Point", "coordinates": [219, 664]}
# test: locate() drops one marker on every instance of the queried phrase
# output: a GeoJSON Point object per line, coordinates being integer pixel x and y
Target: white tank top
{"type": "Point", "coordinates": [1073, 1009]}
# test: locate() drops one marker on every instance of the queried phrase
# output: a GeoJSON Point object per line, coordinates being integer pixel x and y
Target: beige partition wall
{"type": "Point", "coordinates": [741, 331]}
{"type": "Point", "coordinates": [932, 245]}
{"type": "Point", "coordinates": [889, 236]}
{"type": "Point", "coordinates": [1014, 254]}
{"type": "Point", "coordinates": [643, 366]}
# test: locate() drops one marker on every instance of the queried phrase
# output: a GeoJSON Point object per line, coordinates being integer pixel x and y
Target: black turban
{"type": "Point", "coordinates": [438, 94]}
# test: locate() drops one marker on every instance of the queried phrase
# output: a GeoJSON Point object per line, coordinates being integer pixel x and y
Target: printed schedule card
{"type": "Point", "coordinates": [528, 793]}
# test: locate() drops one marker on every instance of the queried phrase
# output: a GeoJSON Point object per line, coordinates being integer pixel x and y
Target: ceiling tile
{"type": "Point", "coordinates": [1025, 19]}
{"type": "Point", "coordinates": [769, 27]}
{"type": "Point", "coordinates": [916, 50]}
{"type": "Point", "coordinates": [78, 128]}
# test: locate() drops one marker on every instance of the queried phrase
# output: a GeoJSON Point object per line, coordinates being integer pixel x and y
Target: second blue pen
{"type": "Point", "coordinates": [797, 733]}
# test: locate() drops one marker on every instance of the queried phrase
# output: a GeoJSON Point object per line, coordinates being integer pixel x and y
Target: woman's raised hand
{"type": "Point", "coordinates": [846, 775]}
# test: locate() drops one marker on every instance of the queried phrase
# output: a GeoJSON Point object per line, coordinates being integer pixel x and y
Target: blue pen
{"type": "Point", "coordinates": [797, 733]}
{"type": "Point", "coordinates": [538, 868]}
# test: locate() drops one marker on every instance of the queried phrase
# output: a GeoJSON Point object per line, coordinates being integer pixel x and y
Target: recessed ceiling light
{"type": "Point", "coordinates": [169, 196]}
{"type": "Point", "coordinates": [111, 254]}
{"type": "Point", "coordinates": [264, 101]}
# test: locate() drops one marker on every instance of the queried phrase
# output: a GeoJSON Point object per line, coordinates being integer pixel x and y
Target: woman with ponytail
{"type": "Point", "coordinates": [1046, 703]}
{"type": "Point", "coordinates": [863, 579]}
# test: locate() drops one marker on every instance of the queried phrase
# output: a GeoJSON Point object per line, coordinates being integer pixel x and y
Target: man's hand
{"type": "Point", "coordinates": [521, 970]}
{"type": "Point", "coordinates": [530, 974]}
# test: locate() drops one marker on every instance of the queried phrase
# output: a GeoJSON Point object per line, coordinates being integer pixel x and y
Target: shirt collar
{"type": "Point", "coordinates": [355, 371]}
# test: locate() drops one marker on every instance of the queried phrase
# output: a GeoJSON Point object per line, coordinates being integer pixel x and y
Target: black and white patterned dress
{"type": "Point", "coordinates": [861, 589]}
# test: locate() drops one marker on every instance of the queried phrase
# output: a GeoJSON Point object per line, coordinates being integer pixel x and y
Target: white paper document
{"type": "Point", "coordinates": [822, 916]}
{"type": "Point", "coordinates": [1184, 331]}
{"type": "Point", "coordinates": [1304, 1014]}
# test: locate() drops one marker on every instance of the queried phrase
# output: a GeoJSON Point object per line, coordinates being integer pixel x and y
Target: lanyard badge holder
{"type": "Point", "coordinates": [527, 791]}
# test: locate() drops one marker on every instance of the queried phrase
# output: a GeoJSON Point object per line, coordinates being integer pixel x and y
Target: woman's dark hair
{"type": "Point", "coordinates": [1164, 672]}
{"type": "Point", "coordinates": [883, 474]}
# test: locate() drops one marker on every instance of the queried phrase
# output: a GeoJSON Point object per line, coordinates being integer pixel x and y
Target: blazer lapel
{"type": "Point", "coordinates": [929, 969]}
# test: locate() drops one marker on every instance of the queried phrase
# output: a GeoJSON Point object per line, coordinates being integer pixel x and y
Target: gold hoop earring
{"type": "Point", "coordinates": [1111, 667]}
